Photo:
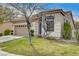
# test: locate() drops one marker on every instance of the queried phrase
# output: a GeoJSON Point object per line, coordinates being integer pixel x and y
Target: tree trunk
{"type": "Point", "coordinates": [29, 35]}
{"type": "Point", "coordinates": [29, 30]}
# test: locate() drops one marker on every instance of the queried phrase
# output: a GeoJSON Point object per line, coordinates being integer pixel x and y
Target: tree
{"type": "Point", "coordinates": [27, 10]}
{"type": "Point", "coordinates": [6, 14]}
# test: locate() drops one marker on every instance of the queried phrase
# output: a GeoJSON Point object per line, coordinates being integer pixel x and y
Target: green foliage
{"type": "Point", "coordinates": [1, 34]}
{"type": "Point", "coordinates": [77, 34]}
{"type": "Point", "coordinates": [11, 31]}
{"type": "Point", "coordinates": [32, 32]}
{"type": "Point", "coordinates": [67, 31]}
{"type": "Point", "coordinates": [7, 32]}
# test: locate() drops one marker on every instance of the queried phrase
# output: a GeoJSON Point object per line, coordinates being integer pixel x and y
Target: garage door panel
{"type": "Point", "coordinates": [22, 31]}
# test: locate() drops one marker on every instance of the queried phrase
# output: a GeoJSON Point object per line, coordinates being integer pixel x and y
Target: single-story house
{"type": "Point", "coordinates": [49, 23]}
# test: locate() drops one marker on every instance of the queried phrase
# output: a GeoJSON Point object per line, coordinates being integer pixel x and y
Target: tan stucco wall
{"type": "Point", "coordinates": [58, 21]}
{"type": "Point", "coordinates": [57, 25]}
{"type": "Point", "coordinates": [6, 25]}
{"type": "Point", "coordinates": [35, 27]}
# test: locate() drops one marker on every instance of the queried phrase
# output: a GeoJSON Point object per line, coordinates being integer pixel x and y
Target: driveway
{"type": "Point", "coordinates": [7, 38]}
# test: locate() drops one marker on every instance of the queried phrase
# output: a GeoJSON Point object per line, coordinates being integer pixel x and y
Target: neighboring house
{"type": "Point", "coordinates": [77, 25]}
{"type": "Point", "coordinates": [49, 23]}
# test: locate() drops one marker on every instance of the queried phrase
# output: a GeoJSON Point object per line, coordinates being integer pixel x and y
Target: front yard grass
{"type": "Point", "coordinates": [40, 47]}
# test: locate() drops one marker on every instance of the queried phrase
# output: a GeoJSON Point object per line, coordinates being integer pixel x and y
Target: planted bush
{"type": "Point", "coordinates": [1, 34]}
{"type": "Point", "coordinates": [32, 32]}
{"type": "Point", "coordinates": [7, 32]}
{"type": "Point", "coordinates": [77, 34]}
{"type": "Point", "coordinates": [67, 31]}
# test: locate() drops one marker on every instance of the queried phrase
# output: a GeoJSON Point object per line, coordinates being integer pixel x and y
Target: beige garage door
{"type": "Point", "coordinates": [21, 30]}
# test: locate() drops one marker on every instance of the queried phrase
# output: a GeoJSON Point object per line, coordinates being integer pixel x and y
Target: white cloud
{"type": "Point", "coordinates": [76, 18]}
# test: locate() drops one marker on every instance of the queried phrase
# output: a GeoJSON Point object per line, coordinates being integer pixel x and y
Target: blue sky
{"type": "Point", "coordinates": [74, 7]}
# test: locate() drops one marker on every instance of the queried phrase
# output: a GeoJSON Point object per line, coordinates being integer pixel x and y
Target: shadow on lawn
{"type": "Point", "coordinates": [35, 52]}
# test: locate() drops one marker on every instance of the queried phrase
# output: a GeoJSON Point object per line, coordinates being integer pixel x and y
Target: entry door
{"type": "Point", "coordinates": [40, 24]}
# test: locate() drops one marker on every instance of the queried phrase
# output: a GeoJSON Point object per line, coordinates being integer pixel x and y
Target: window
{"type": "Point", "coordinates": [50, 23]}
{"type": "Point", "coordinates": [50, 17]}
{"type": "Point", "coordinates": [16, 25]}
{"type": "Point", "coordinates": [19, 26]}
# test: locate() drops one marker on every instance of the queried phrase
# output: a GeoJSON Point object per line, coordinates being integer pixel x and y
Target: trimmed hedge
{"type": "Point", "coordinates": [7, 32]}
{"type": "Point", "coordinates": [67, 31]}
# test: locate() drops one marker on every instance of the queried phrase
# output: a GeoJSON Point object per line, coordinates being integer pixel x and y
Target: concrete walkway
{"type": "Point", "coordinates": [7, 38]}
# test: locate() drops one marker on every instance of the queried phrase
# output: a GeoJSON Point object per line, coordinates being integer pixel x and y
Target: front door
{"type": "Point", "coordinates": [40, 26]}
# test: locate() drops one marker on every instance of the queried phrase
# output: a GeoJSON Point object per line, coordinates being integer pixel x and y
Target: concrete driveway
{"type": "Point", "coordinates": [7, 38]}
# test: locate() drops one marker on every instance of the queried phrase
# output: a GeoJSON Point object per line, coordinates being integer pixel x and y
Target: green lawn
{"type": "Point", "coordinates": [40, 47]}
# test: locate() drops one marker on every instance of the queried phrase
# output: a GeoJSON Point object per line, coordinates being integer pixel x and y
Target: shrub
{"type": "Point", "coordinates": [1, 34]}
{"type": "Point", "coordinates": [11, 32]}
{"type": "Point", "coordinates": [77, 34]}
{"type": "Point", "coordinates": [7, 32]}
{"type": "Point", "coordinates": [67, 31]}
{"type": "Point", "coordinates": [32, 32]}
